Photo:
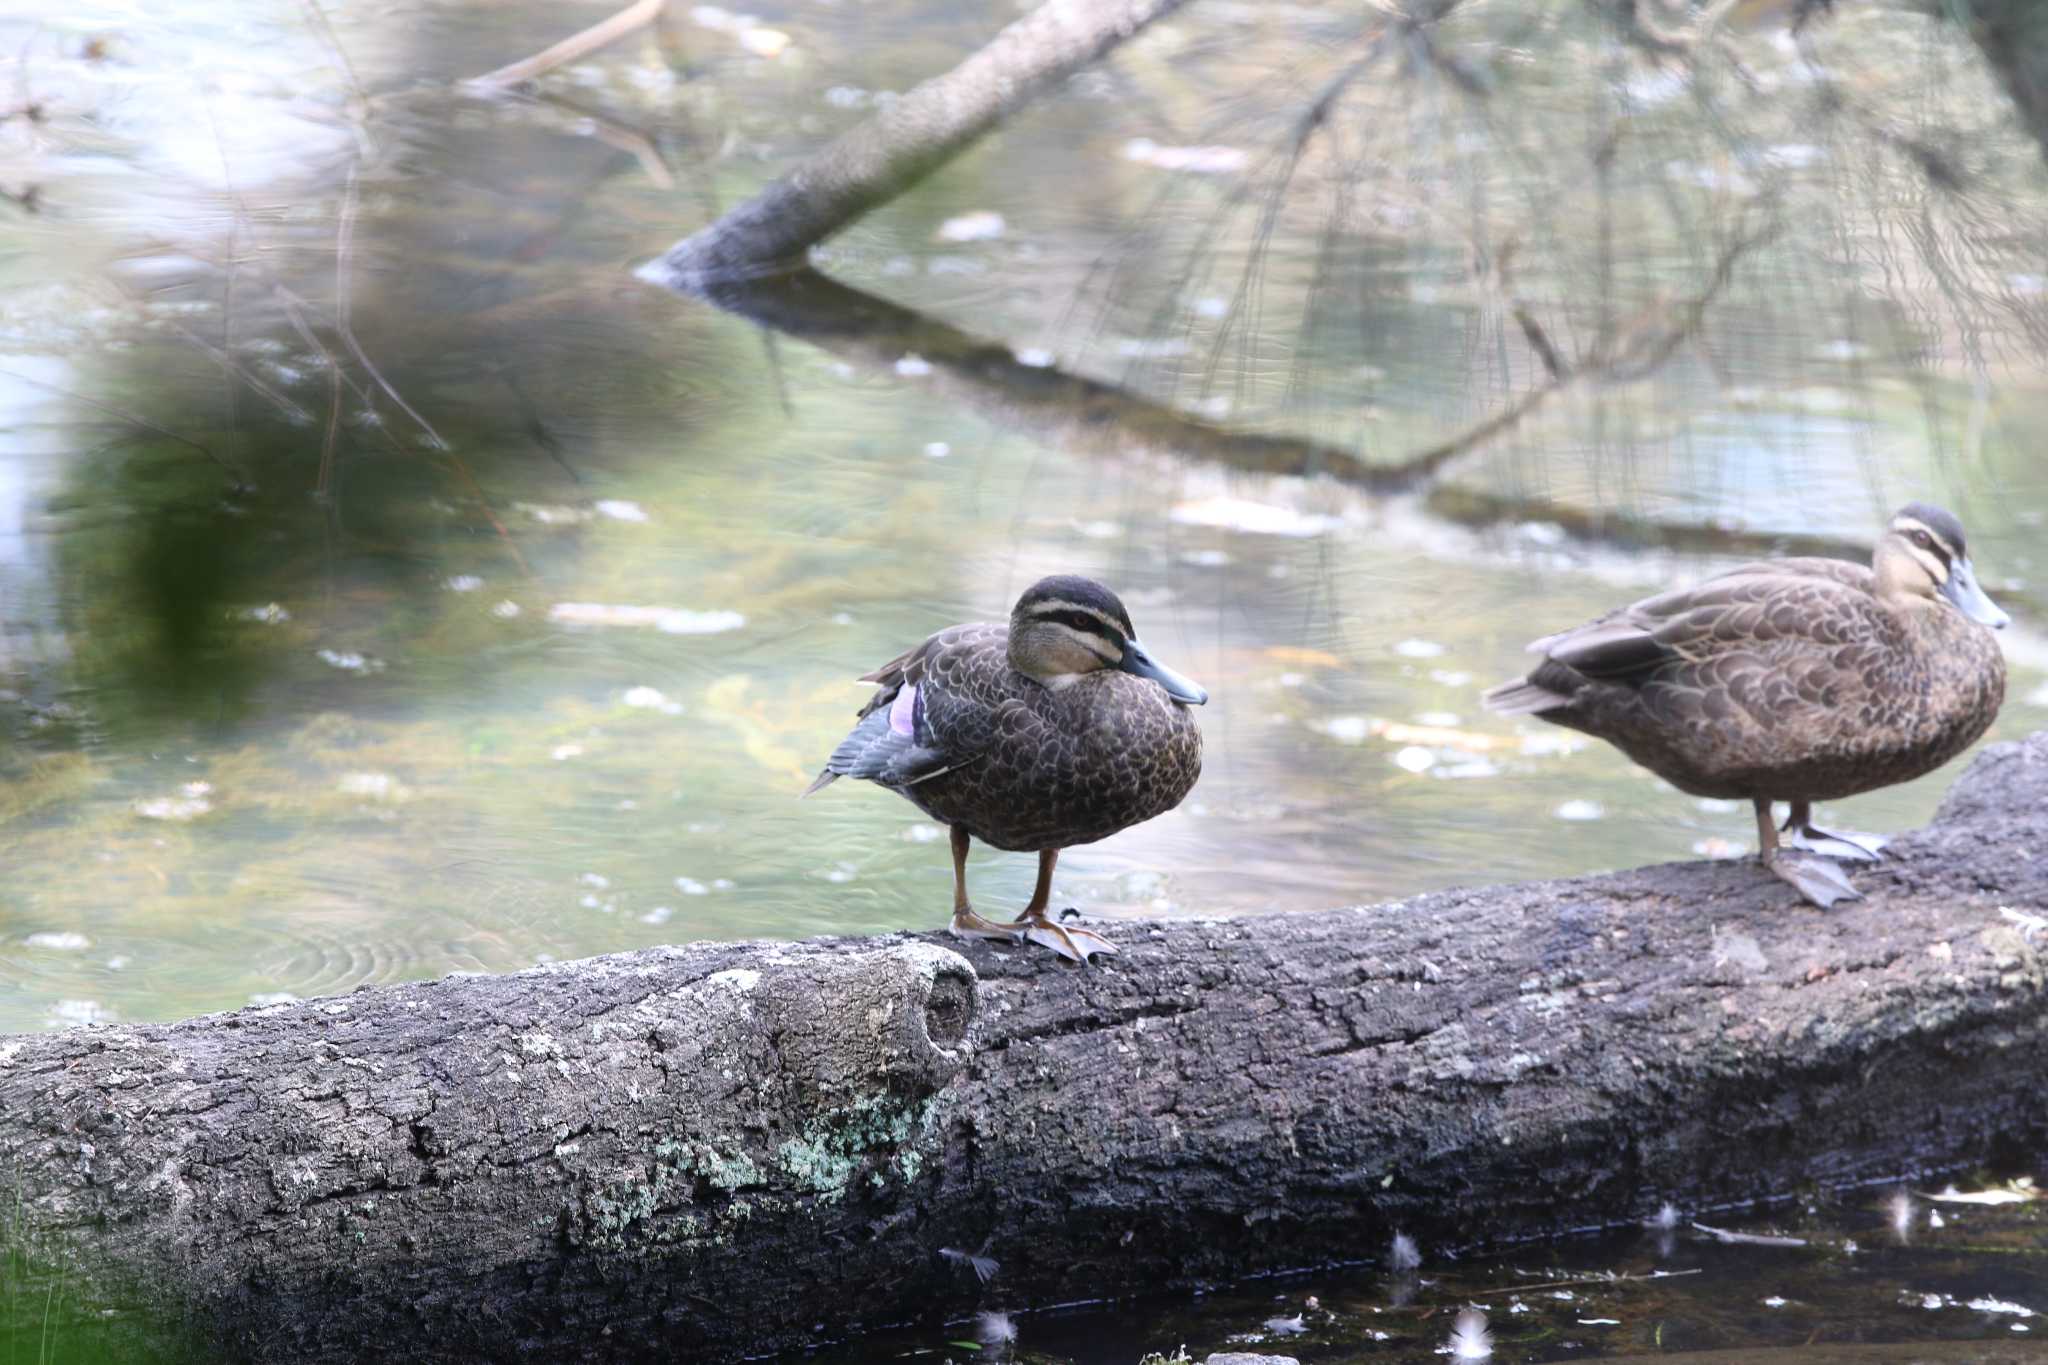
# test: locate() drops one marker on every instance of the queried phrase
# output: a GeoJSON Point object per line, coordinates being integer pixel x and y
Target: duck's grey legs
{"type": "Point", "coordinates": [1800, 822]}
{"type": "Point", "coordinates": [1811, 875]}
{"type": "Point", "coordinates": [1074, 944]}
{"type": "Point", "coordinates": [967, 924]}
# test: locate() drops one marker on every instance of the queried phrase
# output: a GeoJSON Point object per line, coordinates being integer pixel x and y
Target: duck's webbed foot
{"type": "Point", "coordinates": [1855, 848]}
{"type": "Point", "coordinates": [1070, 941]}
{"type": "Point", "coordinates": [1812, 875]}
{"type": "Point", "coordinates": [968, 924]}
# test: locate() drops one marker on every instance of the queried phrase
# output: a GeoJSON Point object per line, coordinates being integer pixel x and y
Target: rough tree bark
{"type": "Point", "coordinates": [877, 160]}
{"type": "Point", "coordinates": [727, 1148]}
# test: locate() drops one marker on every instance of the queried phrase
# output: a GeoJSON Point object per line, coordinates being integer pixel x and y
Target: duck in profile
{"type": "Point", "coordinates": [1052, 730]}
{"type": "Point", "coordinates": [1795, 680]}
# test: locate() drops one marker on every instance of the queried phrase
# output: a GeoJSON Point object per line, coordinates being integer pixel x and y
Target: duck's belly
{"type": "Point", "coordinates": [1037, 801]}
{"type": "Point", "coordinates": [1797, 774]}
{"type": "Point", "coordinates": [1747, 757]}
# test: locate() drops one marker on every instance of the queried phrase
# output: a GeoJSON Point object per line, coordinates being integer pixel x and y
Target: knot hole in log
{"type": "Point", "coordinates": [949, 1007]}
{"type": "Point", "coordinates": [896, 1018]}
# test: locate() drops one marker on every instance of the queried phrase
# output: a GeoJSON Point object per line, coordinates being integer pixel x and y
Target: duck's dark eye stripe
{"type": "Point", "coordinates": [1087, 625]}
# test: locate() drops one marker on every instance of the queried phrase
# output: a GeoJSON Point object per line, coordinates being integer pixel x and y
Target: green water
{"type": "Point", "coordinates": [299, 681]}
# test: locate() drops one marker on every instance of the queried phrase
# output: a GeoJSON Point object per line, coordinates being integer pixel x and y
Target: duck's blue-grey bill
{"type": "Point", "coordinates": [1138, 662]}
{"type": "Point", "coordinates": [1970, 600]}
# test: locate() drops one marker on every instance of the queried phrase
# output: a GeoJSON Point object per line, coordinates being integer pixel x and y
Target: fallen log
{"type": "Point", "coordinates": [724, 1149]}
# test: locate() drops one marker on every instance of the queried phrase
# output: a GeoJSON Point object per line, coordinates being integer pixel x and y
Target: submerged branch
{"type": "Point", "coordinates": [1064, 409]}
{"type": "Point", "coordinates": [576, 46]}
{"type": "Point", "coordinates": [1640, 347]}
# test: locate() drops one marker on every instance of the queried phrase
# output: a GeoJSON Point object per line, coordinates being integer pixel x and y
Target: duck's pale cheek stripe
{"type": "Point", "coordinates": [902, 709]}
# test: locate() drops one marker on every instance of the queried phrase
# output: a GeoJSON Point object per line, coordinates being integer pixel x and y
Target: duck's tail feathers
{"type": "Point", "coordinates": [1522, 698]}
{"type": "Point", "coordinates": [825, 779]}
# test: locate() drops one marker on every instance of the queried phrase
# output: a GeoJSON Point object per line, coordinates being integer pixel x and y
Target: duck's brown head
{"type": "Point", "coordinates": [1923, 555]}
{"type": "Point", "coordinates": [1066, 627]}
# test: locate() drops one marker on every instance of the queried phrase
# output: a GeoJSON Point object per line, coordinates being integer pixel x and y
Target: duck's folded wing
{"type": "Point", "coordinates": [1739, 613]}
{"type": "Point", "coordinates": [915, 726]}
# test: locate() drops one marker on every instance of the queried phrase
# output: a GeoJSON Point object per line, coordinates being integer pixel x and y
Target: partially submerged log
{"type": "Point", "coordinates": [722, 1149]}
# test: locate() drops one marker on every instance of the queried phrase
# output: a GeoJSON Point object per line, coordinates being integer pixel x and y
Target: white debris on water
{"type": "Point", "coordinates": [562, 753]}
{"type": "Point", "coordinates": [764, 42]}
{"type": "Point", "coordinates": [667, 620]}
{"type": "Point", "coordinates": [1207, 160]}
{"type": "Point", "coordinates": [1414, 758]}
{"type": "Point", "coordinates": [619, 509]}
{"type": "Point", "coordinates": [1403, 1254]}
{"type": "Point", "coordinates": [505, 611]}
{"type": "Point", "coordinates": [349, 661]}
{"type": "Point", "coordinates": [1990, 1305]}
{"type": "Point", "coordinates": [1579, 809]}
{"type": "Point", "coordinates": [1419, 649]}
{"type": "Point", "coordinates": [1251, 517]}
{"type": "Point", "coordinates": [69, 1013]}
{"type": "Point", "coordinates": [650, 699]}
{"type": "Point", "coordinates": [1469, 1338]}
{"type": "Point", "coordinates": [982, 225]}
{"type": "Point", "coordinates": [1900, 1209]}
{"type": "Point", "coordinates": [995, 1329]}
{"type": "Point", "coordinates": [1033, 357]}
{"type": "Point", "coordinates": [1347, 729]}
{"type": "Point", "coordinates": [193, 800]}
{"type": "Point", "coordinates": [372, 786]}
{"type": "Point", "coordinates": [2007, 1195]}
{"type": "Point", "coordinates": [658, 915]}
{"type": "Point", "coordinates": [552, 515]}
{"type": "Point", "coordinates": [1152, 348]}
{"type": "Point", "coordinates": [269, 614]}
{"type": "Point", "coordinates": [1755, 1239]}
{"type": "Point", "coordinates": [913, 366]}
{"type": "Point", "coordinates": [59, 941]}
{"type": "Point", "coordinates": [462, 582]}
{"type": "Point", "coordinates": [690, 886]}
